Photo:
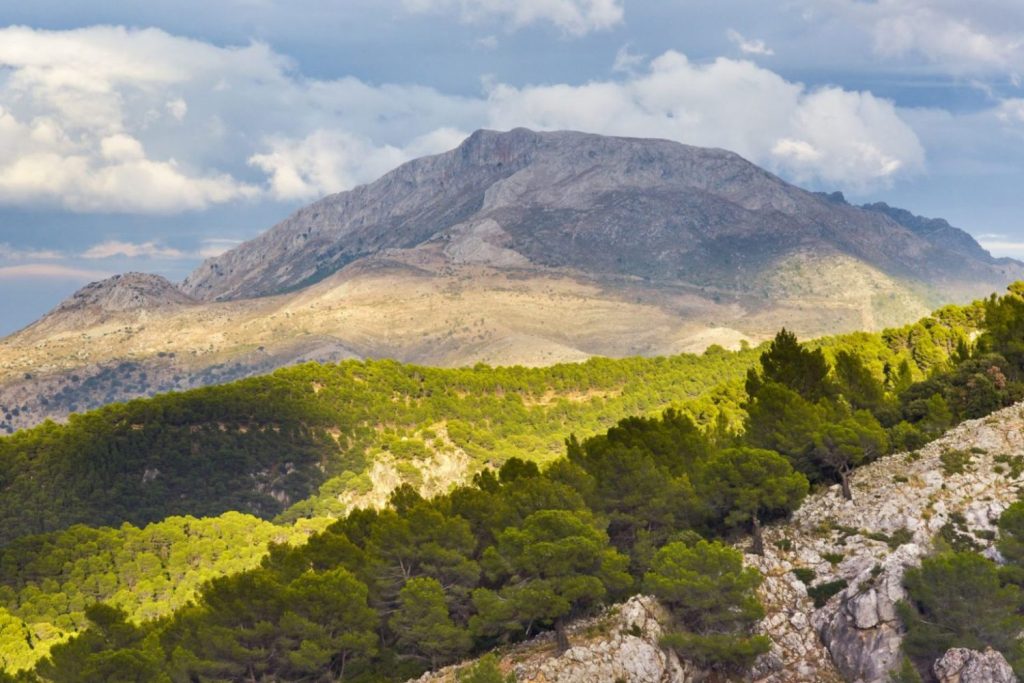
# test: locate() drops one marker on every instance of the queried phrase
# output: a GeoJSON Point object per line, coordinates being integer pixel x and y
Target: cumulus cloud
{"type": "Point", "coordinates": [849, 139]}
{"type": "Point", "coordinates": [50, 271]}
{"type": "Point", "coordinates": [74, 103]}
{"type": "Point", "coordinates": [111, 119]}
{"type": "Point", "coordinates": [978, 37]}
{"type": "Point", "coordinates": [575, 17]}
{"type": "Point", "coordinates": [114, 248]}
{"type": "Point", "coordinates": [749, 46]}
{"type": "Point", "coordinates": [326, 161]}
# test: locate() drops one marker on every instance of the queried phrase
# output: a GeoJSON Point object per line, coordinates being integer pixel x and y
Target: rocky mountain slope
{"type": "Point", "coordinates": [515, 248]}
{"type": "Point", "coordinates": [602, 205]}
{"type": "Point", "coordinates": [901, 503]}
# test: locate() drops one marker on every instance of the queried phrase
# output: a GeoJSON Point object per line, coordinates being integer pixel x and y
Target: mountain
{"type": "Point", "coordinates": [514, 248]}
{"type": "Point", "coordinates": [131, 294]}
{"type": "Point", "coordinates": [603, 205]}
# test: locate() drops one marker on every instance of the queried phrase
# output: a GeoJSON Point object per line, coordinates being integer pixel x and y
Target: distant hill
{"type": "Point", "coordinates": [514, 248]}
{"type": "Point", "coordinates": [318, 439]}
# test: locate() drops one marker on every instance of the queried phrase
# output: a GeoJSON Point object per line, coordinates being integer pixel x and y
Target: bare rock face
{"type": "Point", "coordinates": [131, 293]}
{"type": "Point", "coordinates": [620, 646]}
{"type": "Point", "coordinates": [601, 205]}
{"type": "Point", "coordinates": [970, 666]}
{"type": "Point", "coordinates": [867, 544]}
{"type": "Point", "coordinates": [861, 629]}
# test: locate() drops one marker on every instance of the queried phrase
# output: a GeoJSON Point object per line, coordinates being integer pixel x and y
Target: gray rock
{"type": "Point", "coordinates": [960, 665]}
{"type": "Point", "coordinates": [862, 631]}
{"type": "Point", "coordinates": [603, 205]}
{"type": "Point", "coordinates": [627, 651]}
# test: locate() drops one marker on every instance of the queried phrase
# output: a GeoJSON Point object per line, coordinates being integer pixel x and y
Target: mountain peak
{"type": "Point", "coordinates": [118, 295]}
{"type": "Point", "coordinates": [127, 292]}
{"type": "Point", "coordinates": [597, 205]}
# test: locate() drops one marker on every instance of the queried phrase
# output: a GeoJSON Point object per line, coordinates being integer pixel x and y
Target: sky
{"type": "Point", "coordinates": [148, 135]}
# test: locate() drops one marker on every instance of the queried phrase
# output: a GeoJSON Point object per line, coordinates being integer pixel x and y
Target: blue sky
{"type": "Point", "coordinates": [148, 135]}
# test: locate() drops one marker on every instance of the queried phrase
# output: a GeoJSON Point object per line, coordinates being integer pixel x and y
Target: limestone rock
{"type": "Point", "coordinates": [960, 665]}
{"type": "Point", "coordinates": [900, 503]}
{"type": "Point", "coordinates": [568, 199]}
{"type": "Point", "coordinates": [620, 646]}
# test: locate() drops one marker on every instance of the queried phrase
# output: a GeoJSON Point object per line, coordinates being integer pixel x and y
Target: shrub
{"type": "Point", "coordinates": [804, 574]}
{"type": "Point", "coordinates": [821, 593]}
{"type": "Point", "coordinates": [954, 462]}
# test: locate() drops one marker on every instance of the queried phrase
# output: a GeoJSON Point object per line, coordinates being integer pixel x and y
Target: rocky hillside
{"type": "Point", "coordinates": [601, 205]}
{"type": "Point", "coordinates": [119, 297]}
{"type": "Point", "coordinates": [515, 248]}
{"type": "Point", "coordinates": [861, 548]}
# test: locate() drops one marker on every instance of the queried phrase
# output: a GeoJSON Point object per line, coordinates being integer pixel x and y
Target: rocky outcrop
{"type": "Point", "coordinates": [620, 646]}
{"type": "Point", "coordinates": [131, 293]}
{"type": "Point", "coordinates": [861, 629]}
{"type": "Point", "coordinates": [970, 666]}
{"type": "Point", "coordinates": [864, 546]}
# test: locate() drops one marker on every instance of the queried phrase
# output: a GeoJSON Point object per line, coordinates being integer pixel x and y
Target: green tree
{"type": "Point", "coordinates": [842, 446]}
{"type": "Point", "coordinates": [957, 600]}
{"type": "Point", "coordinates": [857, 383]}
{"type": "Point", "coordinates": [559, 564]}
{"type": "Point", "coordinates": [937, 416]}
{"type": "Point", "coordinates": [779, 419]}
{"type": "Point", "coordinates": [1011, 542]}
{"type": "Point", "coordinates": [743, 486]}
{"type": "Point", "coordinates": [788, 363]}
{"type": "Point", "coordinates": [713, 599]}
{"type": "Point", "coordinates": [423, 625]}
{"type": "Point", "coordinates": [1004, 326]}
{"type": "Point", "coordinates": [328, 615]}
{"type": "Point", "coordinates": [110, 650]}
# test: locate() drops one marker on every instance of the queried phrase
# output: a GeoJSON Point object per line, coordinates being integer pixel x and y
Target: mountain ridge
{"type": "Point", "coordinates": [605, 205]}
{"type": "Point", "coordinates": [514, 248]}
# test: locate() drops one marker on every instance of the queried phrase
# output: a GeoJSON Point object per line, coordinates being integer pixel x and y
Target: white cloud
{"type": "Point", "coordinates": [1011, 111]}
{"type": "Point", "coordinates": [487, 42]}
{"type": "Point", "coordinates": [849, 139]}
{"type": "Point", "coordinates": [10, 253]}
{"type": "Point", "coordinates": [91, 120]}
{"type": "Point", "coordinates": [749, 46]}
{"type": "Point", "coordinates": [328, 161]}
{"type": "Point", "coordinates": [1002, 247]}
{"type": "Point", "coordinates": [962, 38]}
{"type": "Point", "coordinates": [74, 104]}
{"type": "Point", "coordinates": [575, 17]}
{"type": "Point", "coordinates": [177, 108]}
{"type": "Point", "coordinates": [114, 248]}
{"type": "Point", "coordinates": [51, 271]}
{"type": "Point", "coordinates": [215, 246]}
{"type": "Point", "coordinates": [626, 61]}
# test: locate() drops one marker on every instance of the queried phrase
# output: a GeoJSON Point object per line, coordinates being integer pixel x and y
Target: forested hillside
{"type": "Point", "coordinates": [384, 594]}
{"type": "Point", "coordinates": [47, 581]}
{"type": "Point", "coordinates": [310, 440]}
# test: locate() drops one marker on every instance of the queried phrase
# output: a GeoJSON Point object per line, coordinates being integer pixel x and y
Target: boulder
{"type": "Point", "coordinates": [961, 665]}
